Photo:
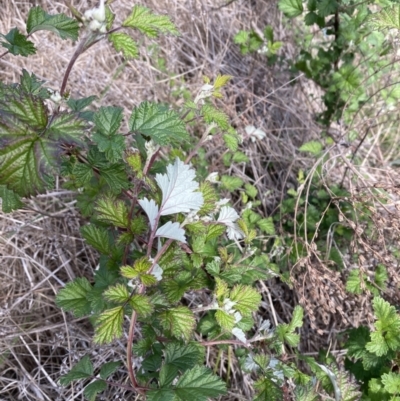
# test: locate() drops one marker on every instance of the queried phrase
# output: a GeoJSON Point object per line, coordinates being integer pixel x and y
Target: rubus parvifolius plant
{"type": "Point", "coordinates": [161, 233]}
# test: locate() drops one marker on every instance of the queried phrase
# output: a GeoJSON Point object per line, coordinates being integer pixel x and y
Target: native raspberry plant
{"type": "Point", "coordinates": [160, 232]}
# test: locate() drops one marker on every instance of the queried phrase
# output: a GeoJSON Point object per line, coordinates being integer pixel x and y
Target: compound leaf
{"type": "Point", "coordinates": [108, 369]}
{"type": "Point", "coordinates": [112, 211]}
{"type": "Point", "coordinates": [247, 299]}
{"type": "Point", "coordinates": [92, 389]}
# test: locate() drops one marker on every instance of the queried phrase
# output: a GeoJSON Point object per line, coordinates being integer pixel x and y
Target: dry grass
{"type": "Point", "coordinates": [40, 246]}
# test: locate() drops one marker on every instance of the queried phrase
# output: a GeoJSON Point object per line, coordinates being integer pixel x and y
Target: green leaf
{"type": "Point", "coordinates": [65, 27]}
{"type": "Point", "coordinates": [97, 237]}
{"type": "Point", "coordinates": [313, 147]}
{"type": "Point", "coordinates": [391, 382]}
{"type": "Point", "coordinates": [213, 115]}
{"type": "Point", "coordinates": [387, 18]}
{"type": "Point", "coordinates": [141, 304]}
{"type": "Point", "coordinates": [17, 43]}
{"type": "Point", "coordinates": [297, 318]}
{"type": "Point", "coordinates": [24, 108]}
{"type": "Point", "coordinates": [112, 211]}
{"type": "Point", "coordinates": [267, 390]}
{"type": "Point", "coordinates": [163, 126]}
{"type": "Point", "coordinates": [199, 384]}
{"type": "Point", "coordinates": [9, 200]}
{"type": "Point", "coordinates": [148, 23]}
{"type": "Point", "coordinates": [231, 141]}
{"type": "Point", "coordinates": [30, 83]}
{"type": "Point", "coordinates": [266, 225]}
{"type": "Point", "coordinates": [108, 120]}
{"type": "Point", "coordinates": [225, 320]}
{"type": "Point", "coordinates": [231, 183]}
{"type": "Point", "coordinates": [183, 356]}
{"type": "Point", "coordinates": [108, 369]}
{"type": "Point", "coordinates": [80, 104]}
{"type": "Point", "coordinates": [82, 370]}
{"type": "Point", "coordinates": [196, 384]}
{"type": "Point", "coordinates": [291, 8]}
{"type": "Point", "coordinates": [353, 283]}
{"type": "Point", "coordinates": [180, 321]}
{"type": "Point", "coordinates": [115, 176]}
{"type": "Point", "coordinates": [67, 127]}
{"type": "Point", "coordinates": [92, 389]}
{"type": "Point", "coordinates": [123, 42]}
{"type": "Point", "coordinates": [247, 299]}
{"type": "Point", "coordinates": [74, 297]}
{"type": "Point", "coordinates": [179, 357]}
{"type": "Point", "coordinates": [117, 293]}
{"type": "Point", "coordinates": [113, 145]}
{"type": "Point", "coordinates": [327, 7]}
{"type": "Point", "coordinates": [109, 325]}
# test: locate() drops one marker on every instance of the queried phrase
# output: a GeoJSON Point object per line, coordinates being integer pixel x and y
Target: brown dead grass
{"type": "Point", "coordinates": [40, 246]}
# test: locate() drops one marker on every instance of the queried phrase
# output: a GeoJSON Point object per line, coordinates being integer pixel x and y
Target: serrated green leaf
{"type": "Point", "coordinates": [141, 304]}
{"type": "Point", "coordinates": [82, 370]}
{"type": "Point", "coordinates": [108, 369]}
{"type": "Point", "coordinates": [108, 120]}
{"type": "Point", "coordinates": [112, 211]}
{"type": "Point", "coordinates": [149, 23]}
{"type": "Point", "coordinates": [109, 325]}
{"type": "Point", "coordinates": [297, 318]}
{"type": "Point", "coordinates": [80, 104]}
{"type": "Point", "coordinates": [97, 237]}
{"type": "Point", "coordinates": [92, 389]}
{"type": "Point", "coordinates": [30, 83]}
{"type": "Point", "coordinates": [391, 382]}
{"type": "Point", "coordinates": [314, 147]}
{"type": "Point", "coordinates": [221, 81]}
{"type": "Point", "coordinates": [231, 183]}
{"type": "Point", "coordinates": [115, 176]}
{"type": "Point", "coordinates": [112, 145]}
{"type": "Point", "coordinates": [9, 200]}
{"type": "Point", "coordinates": [67, 127]}
{"type": "Point", "coordinates": [117, 293]}
{"type": "Point", "coordinates": [267, 225]}
{"type": "Point", "coordinates": [291, 8]}
{"type": "Point", "coordinates": [65, 27]}
{"type": "Point", "coordinates": [387, 18]}
{"type": "Point", "coordinates": [163, 126]}
{"type": "Point", "coordinates": [225, 320]}
{"type": "Point", "coordinates": [199, 384]}
{"type": "Point", "coordinates": [73, 297]}
{"type": "Point", "coordinates": [123, 42]}
{"type": "Point", "coordinates": [247, 299]}
{"type": "Point", "coordinates": [180, 321]}
{"type": "Point", "coordinates": [214, 231]}
{"type": "Point", "coordinates": [25, 108]}
{"type": "Point", "coordinates": [327, 7]}
{"type": "Point", "coordinates": [354, 282]}
{"type": "Point", "coordinates": [17, 43]}
{"type": "Point", "coordinates": [82, 173]}
{"type": "Point", "coordinates": [240, 157]}
{"type": "Point", "coordinates": [213, 115]}
{"type": "Point", "coordinates": [231, 141]}
{"type": "Point", "coordinates": [267, 390]}
{"type": "Point", "coordinates": [241, 37]}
